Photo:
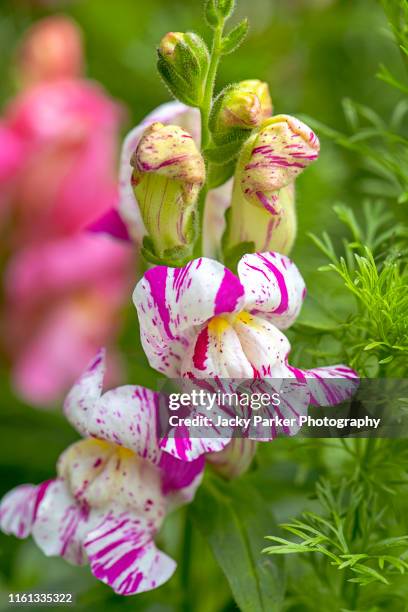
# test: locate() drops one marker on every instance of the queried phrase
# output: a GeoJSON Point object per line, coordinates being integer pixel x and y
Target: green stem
{"type": "Point", "coordinates": [205, 110]}
{"type": "Point", "coordinates": [186, 564]}
{"type": "Point", "coordinates": [210, 84]}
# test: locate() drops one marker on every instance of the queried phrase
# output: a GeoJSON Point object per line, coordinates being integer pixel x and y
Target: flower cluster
{"type": "Point", "coordinates": [63, 286]}
{"type": "Point", "coordinates": [113, 489]}
{"type": "Point", "coordinates": [207, 190]}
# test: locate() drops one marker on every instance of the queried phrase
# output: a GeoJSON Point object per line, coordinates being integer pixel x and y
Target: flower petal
{"type": "Point", "coordinates": [122, 554]}
{"type": "Point", "coordinates": [273, 286]}
{"type": "Point", "coordinates": [110, 223]}
{"type": "Point", "coordinates": [264, 345]}
{"type": "Point", "coordinates": [126, 415]}
{"type": "Point", "coordinates": [216, 352]}
{"type": "Point", "coordinates": [84, 395]}
{"type": "Point", "coordinates": [60, 523]}
{"type": "Point", "coordinates": [181, 445]}
{"type": "Point", "coordinates": [171, 301]}
{"type": "Point", "coordinates": [329, 385]}
{"type": "Point", "coordinates": [17, 510]}
{"type": "Point", "coordinates": [180, 479]}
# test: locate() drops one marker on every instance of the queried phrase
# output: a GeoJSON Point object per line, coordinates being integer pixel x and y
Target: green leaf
{"type": "Point", "coordinates": [235, 38]}
{"type": "Point", "coordinates": [233, 517]}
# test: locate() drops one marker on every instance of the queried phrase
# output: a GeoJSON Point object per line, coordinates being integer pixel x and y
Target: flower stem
{"type": "Point", "coordinates": [205, 110]}
{"type": "Point", "coordinates": [186, 564]}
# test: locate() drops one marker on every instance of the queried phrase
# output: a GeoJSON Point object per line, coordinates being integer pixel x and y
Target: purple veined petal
{"type": "Point", "coordinates": [171, 302]}
{"type": "Point", "coordinates": [17, 510]}
{"type": "Point", "coordinates": [126, 415]}
{"type": "Point", "coordinates": [181, 445]}
{"type": "Point", "coordinates": [110, 223]}
{"type": "Point", "coordinates": [180, 479]}
{"type": "Point", "coordinates": [122, 554]}
{"type": "Point", "coordinates": [274, 287]}
{"type": "Point", "coordinates": [169, 113]}
{"type": "Point", "coordinates": [83, 396]}
{"type": "Point", "coordinates": [264, 345]}
{"type": "Point", "coordinates": [329, 385]}
{"type": "Point", "coordinates": [60, 523]}
{"type": "Point", "coordinates": [216, 352]}
{"type": "Point", "coordinates": [294, 401]}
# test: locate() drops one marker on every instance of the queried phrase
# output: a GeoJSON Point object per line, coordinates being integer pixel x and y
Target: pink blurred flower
{"type": "Point", "coordinates": [62, 302]}
{"type": "Point", "coordinates": [66, 132]}
{"type": "Point", "coordinates": [51, 49]}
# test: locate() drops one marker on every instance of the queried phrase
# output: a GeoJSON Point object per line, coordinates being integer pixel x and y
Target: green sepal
{"type": "Point", "coordinates": [184, 73]}
{"type": "Point", "coordinates": [175, 257]}
{"type": "Point", "coordinates": [177, 85]}
{"type": "Point", "coordinates": [218, 174]}
{"type": "Point", "coordinates": [222, 153]}
{"type": "Point", "coordinates": [234, 39]}
{"type": "Point", "coordinates": [216, 107]}
{"type": "Point", "coordinates": [200, 50]}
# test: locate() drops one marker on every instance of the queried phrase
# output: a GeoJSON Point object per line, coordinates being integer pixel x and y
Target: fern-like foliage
{"type": "Point", "coordinates": [374, 269]}
{"type": "Point", "coordinates": [352, 537]}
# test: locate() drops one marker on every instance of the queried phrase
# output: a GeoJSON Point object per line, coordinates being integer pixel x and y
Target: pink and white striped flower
{"type": "Point", "coordinates": [112, 492]}
{"type": "Point", "coordinates": [204, 322]}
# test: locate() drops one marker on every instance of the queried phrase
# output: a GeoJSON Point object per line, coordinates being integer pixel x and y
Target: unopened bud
{"type": "Point", "coordinates": [169, 42]}
{"type": "Point", "coordinates": [244, 106]}
{"type": "Point", "coordinates": [183, 64]}
{"type": "Point", "coordinates": [168, 175]}
{"type": "Point", "coordinates": [50, 50]}
{"type": "Point", "coordinates": [281, 150]}
{"type": "Point", "coordinates": [267, 232]}
{"type": "Point", "coordinates": [235, 459]}
{"type": "Point", "coordinates": [263, 202]}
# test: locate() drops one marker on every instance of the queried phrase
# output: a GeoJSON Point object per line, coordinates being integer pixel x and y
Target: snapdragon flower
{"type": "Point", "coordinates": [112, 492]}
{"type": "Point", "coordinates": [203, 321]}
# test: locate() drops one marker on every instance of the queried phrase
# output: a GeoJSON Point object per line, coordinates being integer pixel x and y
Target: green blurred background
{"type": "Point", "coordinates": [313, 53]}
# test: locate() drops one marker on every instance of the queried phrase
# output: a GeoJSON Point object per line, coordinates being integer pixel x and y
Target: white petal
{"type": "Point", "coordinates": [274, 287]}
{"type": "Point", "coordinates": [123, 555]}
{"type": "Point", "coordinates": [17, 510]}
{"type": "Point", "coordinates": [171, 302]}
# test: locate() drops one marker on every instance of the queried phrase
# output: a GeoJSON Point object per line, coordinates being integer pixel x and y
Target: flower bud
{"type": "Point", "coordinates": [244, 105]}
{"type": "Point", "coordinates": [280, 151]}
{"type": "Point", "coordinates": [183, 64]}
{"type": "Point", "coordinates": [168, 175]}
{"type": "Point", "coordinates": [267, 232]}
{"type": "Point", "coordinates": [235, 459]}
{"type": "Point", "coordinates": [168, 44]}
{"type": "Point", "coordinates": [50, 50]}
{"type": "Point", "coordinates": [263, 202]}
